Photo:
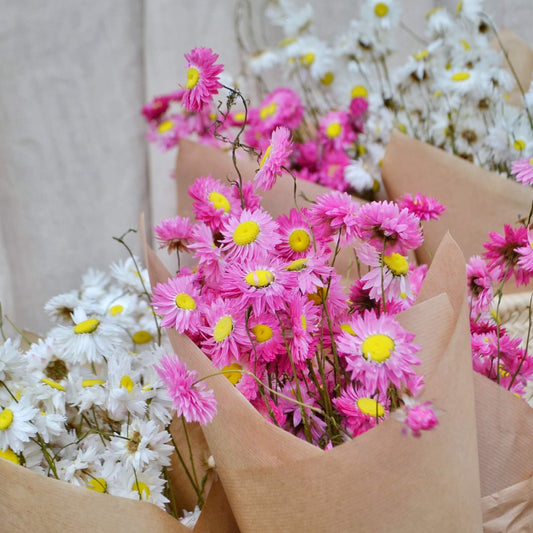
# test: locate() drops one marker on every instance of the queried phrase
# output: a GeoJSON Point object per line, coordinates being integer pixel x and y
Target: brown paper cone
{"type": "Point", "coordinates": [382, 480]}
{"type": "Point", "coordinates": [477, 201]}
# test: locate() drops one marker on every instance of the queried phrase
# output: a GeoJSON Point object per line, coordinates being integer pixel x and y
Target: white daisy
{"type": "Point", "coordinates": [128, 277]}
{"type": "Point", "coordinates": [290, 17]}
{"type": "Point", "coordinates": [383, 14]}
{"type": "Point", "coordinates": [16, 427]}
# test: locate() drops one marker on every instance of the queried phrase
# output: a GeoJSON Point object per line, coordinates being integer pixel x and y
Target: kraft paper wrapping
{"type": "Point", "coordinates": [382, 480]}
{"type": "Point", "coordinates": [33, 502]}
{"type": "Point", "coordinates": [477, 202]}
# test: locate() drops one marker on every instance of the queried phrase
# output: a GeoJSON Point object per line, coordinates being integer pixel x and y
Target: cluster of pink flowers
{"type": "Point", "coordinates": [325, 144]}
{"type": "Point", "coordinates": [266, 304]}
{"type": "Point", "coordinates": [507, 256]}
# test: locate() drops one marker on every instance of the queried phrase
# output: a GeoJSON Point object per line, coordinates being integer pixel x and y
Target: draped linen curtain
{"type": "Point", "coordinates": [75, 168]}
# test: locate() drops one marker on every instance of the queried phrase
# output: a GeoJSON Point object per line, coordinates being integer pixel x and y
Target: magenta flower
{"type": "Point", "coordinates": [282, 107]}
{"type": "Point", "coordinates": [174, 233]}
{"type": "Point", "coordinates": [190, 399]}
{"type": "Point", "coordinates": [424, 207]}
{"type": "Point", "coordinates": [385, 225]}
{"type": "Point", "coordinates": [522, 170]}
{"type": "Point", "coordinates": [417, 417]}
{"type": "Point", "coordinates": [479, 283]}
{"type": "Point", "coordinates": [202, 78]}
{"type": "Point", "coordinates": [274, 158]}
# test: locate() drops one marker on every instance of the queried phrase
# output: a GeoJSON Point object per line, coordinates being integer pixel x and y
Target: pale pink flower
{"type": "Point", "coordinates": [174, 233]}
{"type": "Point", "coordinates": [522, 170]}
{"type": "Point", "coordinates": [190, 398]}
{"type": "Point", "coordinates": [416, 417]}
{"type": "Point", "coordinates": [424, 207]}
{"type": "Point", "coordinates": [202, 78]}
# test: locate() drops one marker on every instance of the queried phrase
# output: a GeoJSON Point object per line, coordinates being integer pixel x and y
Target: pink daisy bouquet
{"type": "Point", "coordinates": [319, 356]}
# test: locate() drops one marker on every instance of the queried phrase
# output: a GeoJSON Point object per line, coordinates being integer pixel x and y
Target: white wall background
{"type": "Point", "coordinates": [75, 168]}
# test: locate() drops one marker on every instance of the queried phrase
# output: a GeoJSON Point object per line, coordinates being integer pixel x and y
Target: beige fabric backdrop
{"type": "Point", "coordinates": [75, 168]}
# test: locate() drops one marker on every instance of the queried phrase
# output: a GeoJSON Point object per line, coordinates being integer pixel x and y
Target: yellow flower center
{"type": "Point", "coordinates": [381, 9]}
{"type": "Point", "coordinates": [268, 110]}
{"type": "Point", "coordinates": [506, 96]}
{"type": "Point", "coordinates": [531, 161]}
{"type": "Point", "coordinates": [223, 328]}
{"type": "Point", "coordinates": [461, 76]}
{"type": "Point", "coordinates": [142, 489]}
{"type": "Point", "coordinates": [333, 130]}
{"type": "Point", "coordinates": [53, 384]}
{"type": "Point", "coordinates": [185, 301]}
{"type": "Point", "coordinates": [265, 156]}
{"type": "Point", "coordinates": [519, 145]}
{"type": "Point", "coordinates": [359, 91]}
{"type": "Point", "coordinates": [361, 149]}
{"type": "Point", "coordinates": [377, 347]}
{"type": "Point", "coordinates": [459, 8]}
{"type": "Point", "coordinates": [10, 455]}
{"type": "Point", "coordinates": [402, 128]}
{"type": "Point", "coordinates": [6, 417]}
{"type": "Point", "coordinates": [297, 265]}
{"type": "Point", "coordinates": [348, 329]}
{"type": "Point", "coordinates": [327, 79]}
{"type": "Point", "coordinates": [235, 375]}
{"type": "Point", "coordinates": [165, 126]}
{"type": "Point", "coordinates": [465, 44]}
{"type": "Point", "coordinates": [142, 337]}
{"type": "Point", "coordinates": [127, 383]}
{"type": "Point", "coordinates": [92, 382]}
{"type": "Point", "coordinates": [396, 263]}
{"type": "Point", "coordinates": [437, 94]}
{"type": "Point", "coordinates": [262, 332]}
{"type": "Point", "coordinates": [239, 117]}
{"type": "Point", "coordinates": [98, 484]}
{"type": "Point", "coordinates": [370, 407]}
{"type": "Point", "coordinates": [260, 278]}
{"type": "Point", "coordinates": [307, 59]}
{"type": "Point", "coordinates": [219, 201]}
{"type": "Point", "coordinates": [303, 320]}
{"type": "Point", "coordinates": [299, 240]}
{"type": "Point", "coordinates": [246, 233]}
{"type": "Point", "coordinates": [87, 326]}
{"type": "Point", "coordinates": [116, 310]}
{"type": "Point", "coordinates": [421, 55]}
{"type": "Point", "coordinates": [193, 75]}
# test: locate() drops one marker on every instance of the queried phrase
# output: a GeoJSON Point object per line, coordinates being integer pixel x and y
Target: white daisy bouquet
{"type": "Point", "coordinates": [86, 405]}
{"type": "Point", "coordinates": [455, 90]}
{"type": "Point", "coordinates": [301, 361]}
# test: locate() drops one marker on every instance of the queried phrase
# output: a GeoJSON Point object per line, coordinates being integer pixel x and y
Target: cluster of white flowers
{"type": "Point", "coordinates": [85, 404]}
{"type": "Point", "coordinates": [452, 92]}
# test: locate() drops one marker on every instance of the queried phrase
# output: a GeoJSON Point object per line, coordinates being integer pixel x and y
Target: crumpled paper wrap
{"type": "Point", "coordinates": [477, 202]}
{"type": "Point", "coordinates": [382, 480]}
{"type": "Point", "coordinates": [33, 502]}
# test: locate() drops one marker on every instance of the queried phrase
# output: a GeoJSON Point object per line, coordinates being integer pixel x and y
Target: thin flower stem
{"type": "Point", "coordinates": [145, 290]}
{"type": "Point", "coordinates": [187, 473]}
{"type": "Point", "coordinates": [21, 333]}
{"type": "Point", "coordinates": [171, 496]}
{"type": "Point", "coordinates": [2, 325]}
{"type": "Point", "coordinates": [526, 347]}
{"type": "Point", "coordinates": [189, 447]}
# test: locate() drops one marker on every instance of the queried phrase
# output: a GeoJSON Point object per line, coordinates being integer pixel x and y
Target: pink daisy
{"type": "Point", "coordinates": [335, 130]}
{"type": "Point", "coordinates": [522, 170]}
{"type": "Point", "coordinates": [213, 202]}
{"type": "Point", "coordinates": [190, 399]}
{"type": "Point", "coordinates": [202, 78]}
{"type": "Point", "coordinates": [274, 158]}
{"type": "Point", "coordinates": [334, 212]}
{"type": "Point", "coordinates": [159, 105]}
{"type": "Point", "coordinates": [258, 282]}
{"type": "Point", "coordinates": [386, 226]}
{"type": "Point", "coordinates": [177, 301]}
{"type": "Point", "coordinates": [424, 207]}
{"type": "Point", "coordinates": [502, 256]}
{"type": "Point", "coordinates": [168, 132]}
{"type": "Point", "coordinates": [310, 273]}
{"type": "Point", "coordinates": [208, 254]}
{"type": "Point", "coordinates": [331, 170]}
{"type": "Point", "coordinates": [250, 234]}
{"type": "Point", "coordinates": [416, 417]}
{"type": "Point", "coordinates": [361, 411]}
{"type": "Point", "coordinates": [296, 237]}
{"type": "Point", "coordinates": [266, 341]}
{"type": "Point", "coordinates": [174, 233]}
{"type": "Point", "coordinates": [479, 283]}
{"type": "Point", "coordinates": [526, 255]}
{"type": "Point", "coordinates": [282, 107]}
{"type": "Point", "coordinates": [380, 354]}
{"type": "Point", "coordinates": [224, 331]}
{"type": "Point", "coordinates": [304, 319]}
